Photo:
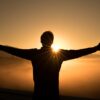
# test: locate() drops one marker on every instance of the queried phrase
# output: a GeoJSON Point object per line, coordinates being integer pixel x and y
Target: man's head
{"type": "Point", "coordinates": [47, 38]}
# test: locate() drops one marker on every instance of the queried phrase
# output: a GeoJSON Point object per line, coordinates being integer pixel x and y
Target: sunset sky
{"type": "Point", "coordinates": [75, 24]}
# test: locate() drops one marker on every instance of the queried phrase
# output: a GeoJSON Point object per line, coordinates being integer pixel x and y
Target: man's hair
{"type": "Point", "coordinates": [47, 38]}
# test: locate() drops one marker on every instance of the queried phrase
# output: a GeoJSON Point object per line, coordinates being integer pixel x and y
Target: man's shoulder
{"type": "Point", "coordinates": [33, 49]}
{"type": "Point", "coordinates": [64, 50]}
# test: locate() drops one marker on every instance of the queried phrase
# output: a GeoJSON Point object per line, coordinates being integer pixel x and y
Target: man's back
{"type": "Point", "coordinates": [46, 66]}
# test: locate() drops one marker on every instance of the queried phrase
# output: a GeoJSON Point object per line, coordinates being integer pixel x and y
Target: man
{"type": "Point", "coordinates": [47, 64]}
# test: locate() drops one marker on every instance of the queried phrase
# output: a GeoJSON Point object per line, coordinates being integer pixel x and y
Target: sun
{"type": "Point", "coordinates": [55, 48]}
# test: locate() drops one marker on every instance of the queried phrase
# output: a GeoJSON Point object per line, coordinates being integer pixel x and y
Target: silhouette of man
{"type": "Point", "coordinates": [47, 64]}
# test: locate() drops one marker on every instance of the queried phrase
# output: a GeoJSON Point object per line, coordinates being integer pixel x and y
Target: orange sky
{"type": "Point", "coordinates": [75, 23]}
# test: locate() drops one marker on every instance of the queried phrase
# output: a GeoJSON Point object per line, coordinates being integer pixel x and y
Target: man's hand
{"type": "Point", "coordinates": [98, 46]}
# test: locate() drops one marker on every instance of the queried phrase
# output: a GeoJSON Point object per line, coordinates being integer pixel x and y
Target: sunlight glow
{"type": "Point", "coordinates": [55, 48]}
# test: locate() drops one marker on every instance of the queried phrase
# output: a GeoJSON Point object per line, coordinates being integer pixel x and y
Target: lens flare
{"type": "Point", "coordinates": [55, 48]}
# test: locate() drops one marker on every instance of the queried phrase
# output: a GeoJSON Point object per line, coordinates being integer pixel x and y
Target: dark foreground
{"type": "Point", "coordinates": [7, 94]}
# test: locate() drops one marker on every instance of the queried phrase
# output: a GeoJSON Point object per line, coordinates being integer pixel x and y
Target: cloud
{"type": "Point", "coordinates": [15, 71]}
{"type": "Point", "coordinates": [7, 60]}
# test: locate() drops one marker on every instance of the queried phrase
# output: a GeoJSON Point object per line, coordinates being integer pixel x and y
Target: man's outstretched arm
{"type": "Point", "coordinates": [71, 54]}
{"type": "Point", "coordinates": [23, 53]}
